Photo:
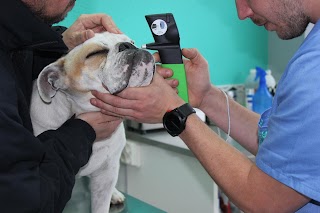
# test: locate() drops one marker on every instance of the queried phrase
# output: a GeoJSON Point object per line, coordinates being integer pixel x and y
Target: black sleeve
{"type": "Point", "coordinates": [67, 149]}
{"type": "Point", "coordinates": [37, 174]}
{"type": "Point", "coordinates": [59, 29]}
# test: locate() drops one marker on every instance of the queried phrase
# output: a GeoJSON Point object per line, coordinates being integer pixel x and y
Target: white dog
{"type": "Point", "coordinates": [63, 89]}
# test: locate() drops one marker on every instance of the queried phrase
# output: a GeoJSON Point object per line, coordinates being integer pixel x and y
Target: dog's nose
{"type": "Point", "coordinates": [125, 46]}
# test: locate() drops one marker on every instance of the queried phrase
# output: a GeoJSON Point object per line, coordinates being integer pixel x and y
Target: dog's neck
{"type": "Point", "coordinates": [80, 102]}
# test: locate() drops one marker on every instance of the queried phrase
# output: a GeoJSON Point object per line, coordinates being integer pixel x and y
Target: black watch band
{"type": "Point", "coordinates": [175, 121]}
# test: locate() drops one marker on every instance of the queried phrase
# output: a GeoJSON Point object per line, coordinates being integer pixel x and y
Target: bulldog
{"type": "Point", "coordinates": [106, 63]}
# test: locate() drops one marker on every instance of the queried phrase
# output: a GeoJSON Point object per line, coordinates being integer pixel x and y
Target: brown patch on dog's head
{"type": "Point", "coordinates": [85, 62]}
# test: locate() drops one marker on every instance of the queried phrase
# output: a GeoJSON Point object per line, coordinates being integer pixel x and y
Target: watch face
{"type": "Point", "coordinates": [173, 122]}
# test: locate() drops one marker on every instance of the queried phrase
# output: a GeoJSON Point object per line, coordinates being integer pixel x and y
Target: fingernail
{"type": "Point", "coordinates": [93, 101]}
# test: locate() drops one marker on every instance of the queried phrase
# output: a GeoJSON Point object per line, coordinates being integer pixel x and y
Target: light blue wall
{"type": "Point", "coordinates": [231, 46]}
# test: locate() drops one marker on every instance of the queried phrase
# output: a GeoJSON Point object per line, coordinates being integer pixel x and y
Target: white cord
{"type": "Point", "coordinates": [229, 119]}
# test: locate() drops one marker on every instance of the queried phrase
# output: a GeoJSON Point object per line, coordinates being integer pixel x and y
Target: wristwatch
{"type": "Point", "coordinates": [175, 121]}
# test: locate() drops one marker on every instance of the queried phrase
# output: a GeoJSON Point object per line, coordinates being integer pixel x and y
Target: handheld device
{"type": "Point", "coordinates": [167, 42]}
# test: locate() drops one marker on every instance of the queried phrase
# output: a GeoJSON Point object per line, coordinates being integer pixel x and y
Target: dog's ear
{"type": "Point", "coordinates": [50, 80]}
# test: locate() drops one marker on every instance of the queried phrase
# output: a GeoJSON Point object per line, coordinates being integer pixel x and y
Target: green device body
{"type": "Point", "coordinates": [180, 74]}
{"type": "Point", "coordinates": [167, 42]}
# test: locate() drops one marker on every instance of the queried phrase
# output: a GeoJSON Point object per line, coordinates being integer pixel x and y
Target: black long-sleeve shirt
{"type": "Point", "coordinates": [36, 173]}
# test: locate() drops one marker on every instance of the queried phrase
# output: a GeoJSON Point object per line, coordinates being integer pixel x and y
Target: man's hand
{"type": "Point", "coordinates": [86, 26]}
{"type": "Point", "coordinates": [144, 104]}
{"type": "Point", "coordinates": [197, 71]}
{"type": "Point", "coordinates": [103, 125]}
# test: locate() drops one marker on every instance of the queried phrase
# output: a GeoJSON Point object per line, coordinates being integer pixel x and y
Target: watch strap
{"type": "Point", "coordinates": [185, 110]}
{"type": "Point", "coordinates": [174, 121]}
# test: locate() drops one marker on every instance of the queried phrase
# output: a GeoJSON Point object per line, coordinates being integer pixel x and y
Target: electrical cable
{"type": "Point", "coordinates": [229, 119]}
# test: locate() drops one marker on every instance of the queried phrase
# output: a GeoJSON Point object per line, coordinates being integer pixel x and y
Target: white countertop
{"type": "Point", "coordinates": [161, 137]}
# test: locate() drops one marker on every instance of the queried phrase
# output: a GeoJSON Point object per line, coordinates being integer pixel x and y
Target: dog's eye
{"type": "Point", "coordinates": [98, 52]}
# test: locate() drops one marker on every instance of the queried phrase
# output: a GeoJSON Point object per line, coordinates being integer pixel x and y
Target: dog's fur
{"type": "Point", "coordinates": [107, 61]}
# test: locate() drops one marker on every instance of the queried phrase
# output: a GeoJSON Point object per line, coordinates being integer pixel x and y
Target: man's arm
{"type": "Point", "coordinates": [243, 122]}
{"type": "Point", "coordinates": [244, 183]}
{"type": "Point", "coordinates": [67, 149]}
{"type": "Point", "coordinates": [37, 173]}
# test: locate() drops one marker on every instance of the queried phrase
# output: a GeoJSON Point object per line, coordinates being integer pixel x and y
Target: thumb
{"type": "Point", "coordinates": [190, 53]}
{"type": "Point", "coordinates": [82, 36]}
{"type": "Point", "coordinates": [85, 35]}
{"type": "Point", "coordinates": [88, 34]}
{"type": "Point", "coordinates": [193, 55]}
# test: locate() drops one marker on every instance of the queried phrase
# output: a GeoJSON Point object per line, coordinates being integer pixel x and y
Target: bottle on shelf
{"type": "Point", "coordinates": [262, 99]}
{"type": "Point", "coordinates": [271, 82]}
{"type": "Point", "coordinates": [250, 87]}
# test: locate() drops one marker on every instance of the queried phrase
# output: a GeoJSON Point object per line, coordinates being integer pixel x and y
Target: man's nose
{"type": "Point", "coordinates": [243, 9]}
{"type": "Point", "coordinates": [125, 46]}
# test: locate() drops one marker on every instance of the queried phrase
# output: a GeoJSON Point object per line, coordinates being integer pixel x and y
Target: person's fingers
{"type": "Point", "coordinates": [194, 55]}
{"type": "Point", "coordinates": [123, 117]}
{"type": "Point", "coordinates": [119, 100]}
{"type": "Point", "coordinates": [190, 53]}
{"type": "Point", "coordinates": [80, 37]}
{"type": "Point", "coordinates": [164, 72]}
{"type": "Point", "coordinates": [173, 82]}
{"type": "Point", "coordinates": [167, 74]}
{"type": "Point", "coordinates": [156, 57]}
{"type": "Point", "coordinates": [111, 110]}
{"type": "Point", "coordinates": [109, 118]}
{"type": "Point", "coordinates": [87, 35]}
{"type": "Point", "coordinates": [115, 105]}
{"type": "Point", "coordinates": [99, 29]}
{"type": "Point", "coordinates": [98, 23]}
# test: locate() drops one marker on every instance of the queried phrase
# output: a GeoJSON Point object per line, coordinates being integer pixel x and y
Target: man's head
{"type": "Point", "coordinates": [289, 18]}
{"type": "Point", "coordinates": [50, 11]}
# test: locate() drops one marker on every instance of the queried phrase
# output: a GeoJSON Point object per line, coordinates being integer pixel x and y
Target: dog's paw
{"type": "Point", "coordinates": [117, 197]}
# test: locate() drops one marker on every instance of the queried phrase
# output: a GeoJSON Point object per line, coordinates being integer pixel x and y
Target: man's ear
{"type": "Point", "coordinates": [50, 79]}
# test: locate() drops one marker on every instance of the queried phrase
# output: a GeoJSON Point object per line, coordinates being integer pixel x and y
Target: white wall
{"type": "Point", "coordinates": [281, 51]}
{"type": "Point", "coordinates": [170, 181]}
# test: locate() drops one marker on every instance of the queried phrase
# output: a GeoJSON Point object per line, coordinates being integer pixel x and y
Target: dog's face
{"type": "Point", "coordinates": [107, 63]}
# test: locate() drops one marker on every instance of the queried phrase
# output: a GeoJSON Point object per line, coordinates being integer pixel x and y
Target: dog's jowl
{"type": "Point", "coordinates": [106, 63]}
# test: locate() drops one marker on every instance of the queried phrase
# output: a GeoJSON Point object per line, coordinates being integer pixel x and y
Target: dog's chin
{"type": "Point", "coordinates": [117, 88]}
{"type": "Point", "coordinates": [115, 91]}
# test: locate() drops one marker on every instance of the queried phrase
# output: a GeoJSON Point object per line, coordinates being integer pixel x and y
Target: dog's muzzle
{"type": "Point", "coordinates": [130, 67]}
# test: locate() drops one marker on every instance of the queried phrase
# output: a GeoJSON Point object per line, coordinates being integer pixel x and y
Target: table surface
{"type": "Point", "coordinates": [134, 205]}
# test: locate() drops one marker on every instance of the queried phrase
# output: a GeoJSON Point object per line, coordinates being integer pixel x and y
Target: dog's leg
{"type": "Point", "coordinates": [102, 187]}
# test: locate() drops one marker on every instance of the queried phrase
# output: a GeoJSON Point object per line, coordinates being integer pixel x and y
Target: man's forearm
{"type": "Point", "coordinates": [243, 122]}
{"type": "Point", "coordinates": [236, 174]}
